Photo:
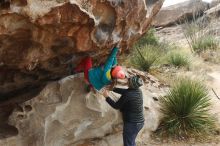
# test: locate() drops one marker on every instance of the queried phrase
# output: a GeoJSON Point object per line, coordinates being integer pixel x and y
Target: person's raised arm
{"type": "Point", "coordinates": [111, 60]}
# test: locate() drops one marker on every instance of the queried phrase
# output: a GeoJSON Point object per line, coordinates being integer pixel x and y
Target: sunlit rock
{"type": "Point", "coordinates": [63, 114]}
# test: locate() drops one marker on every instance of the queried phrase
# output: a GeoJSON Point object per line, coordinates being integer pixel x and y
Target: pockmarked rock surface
{"type": "Point", "coordinates": [175, 14]}
{"type": "Point", "coordinates": [39, 39]}
{"type": "Point", "coordinates": [65, 115]}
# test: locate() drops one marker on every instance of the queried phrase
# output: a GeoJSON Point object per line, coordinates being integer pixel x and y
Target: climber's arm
{"type": "Point", "coordinates": [111, 60]}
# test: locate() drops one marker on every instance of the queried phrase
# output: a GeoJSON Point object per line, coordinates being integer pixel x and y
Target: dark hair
{"type": "Point", "coordinates": [135, 81]}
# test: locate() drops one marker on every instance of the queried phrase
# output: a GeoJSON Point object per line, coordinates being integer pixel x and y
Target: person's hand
{"type": "Point", "coordinates": [105, 93]}
{"type": "Point", "coordinates": [93, 90]}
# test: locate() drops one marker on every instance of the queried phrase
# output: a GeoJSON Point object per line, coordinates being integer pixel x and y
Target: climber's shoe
{"type": "Point", "coordinates": [71, 69]}
{"type": "Point", "coordinates": [88, 88]}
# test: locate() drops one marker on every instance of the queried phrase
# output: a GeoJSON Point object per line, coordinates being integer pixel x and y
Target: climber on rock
{"type": "Point", "coordinates": [98, 77]}
{"type": "Point", "coordinates": [131, 105]}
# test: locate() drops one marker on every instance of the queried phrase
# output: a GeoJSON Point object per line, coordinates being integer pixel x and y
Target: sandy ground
{"type": "Point", "coordinates": [215, 85]}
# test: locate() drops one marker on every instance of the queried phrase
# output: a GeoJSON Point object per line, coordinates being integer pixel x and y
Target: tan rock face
{"type": "Point", "coordinates": [39, 38]}
{"type": "Point", "coordinates": [177, 13]}
{"type": "Point", "coordinates": [214, 11]}
{"type": "Point", "coordinates": [65, 115]}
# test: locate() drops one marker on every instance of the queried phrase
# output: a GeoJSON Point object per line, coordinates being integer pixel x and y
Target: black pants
{"type": "Point", "coordinates": [130, 132]}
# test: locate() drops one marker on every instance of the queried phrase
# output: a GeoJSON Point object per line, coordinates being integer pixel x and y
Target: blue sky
{"type": "Point", "coordinates": [172, 2]}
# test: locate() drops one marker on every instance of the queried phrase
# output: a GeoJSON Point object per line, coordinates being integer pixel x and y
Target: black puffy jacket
{"type": "Point", "coordinates": [130, 104]}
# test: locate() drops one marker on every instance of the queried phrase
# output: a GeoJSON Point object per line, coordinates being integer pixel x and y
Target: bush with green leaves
{"type": "Point", "coordinates": [178, 59]}
{"type": "Point", "coordinates": [148, 39]}
{"type": "Point", "coordinates": [199, 35]}
{"type": "Point", "coordinates": [205, 43]}
{"type": "Point", "coordinates": [186, 109]}
{"type": "Point", "coordinates": [144, 57]}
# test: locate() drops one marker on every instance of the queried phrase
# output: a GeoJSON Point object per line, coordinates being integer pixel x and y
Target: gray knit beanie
{"type": "Point", "coordinates": [135, 82]}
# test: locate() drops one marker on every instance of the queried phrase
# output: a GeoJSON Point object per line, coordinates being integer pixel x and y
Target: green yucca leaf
{"type": "Point", "coordinates": [186, 108]}
{"type": "Point", "coordinates": [144, 57]}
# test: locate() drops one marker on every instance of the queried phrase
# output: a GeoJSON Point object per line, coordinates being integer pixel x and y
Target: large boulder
{"type": "Point", "coordinates": [177, 13]}
{"type": "Point", "coordinates": [214, 3]}
{"type": "Point", "coordinates": [39, 39]}
{"type": "Point", "coordinates": [214, 11]}
{"type": "Point", "coordinates": [63, 114]}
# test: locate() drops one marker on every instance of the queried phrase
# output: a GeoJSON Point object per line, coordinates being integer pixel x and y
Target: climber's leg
{"type": "Point", "coordinates": [88, 66]}
{"type": "Point", "coordinates": [85, 65]}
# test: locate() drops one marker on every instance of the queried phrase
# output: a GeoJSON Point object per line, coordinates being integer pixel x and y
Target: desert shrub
{"type": "Point", "coordinates": [205, 43]}
{"type": "Point", "coordinates": [199, 35]}
{"type": "Point", "coordinates": [144, 57]}
{"type": "Point", "coordinates": [186, 109]}
{"type": "Point", "coordinates": [148, 39]}
{"type": "Point", "coordinates": [178, 59]}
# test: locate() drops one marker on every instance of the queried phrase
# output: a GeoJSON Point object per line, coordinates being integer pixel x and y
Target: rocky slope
{"type": "Point", "coordinates": [175, 14]}
{"type": "Point", "coordinates": [171, 29]}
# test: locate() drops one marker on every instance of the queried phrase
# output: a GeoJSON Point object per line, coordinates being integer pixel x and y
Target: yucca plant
{"type": "Point", "coordinates": [178, 59]}
{"type": "Point", "coordinates": [144, 57]}
{"type": "Point", "coordinates": [186, 109]}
